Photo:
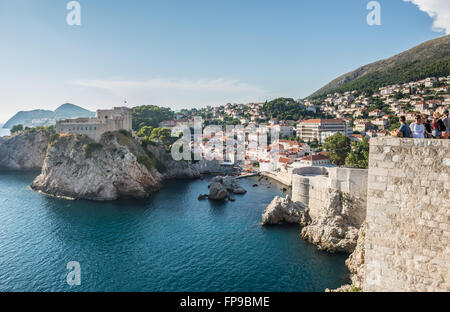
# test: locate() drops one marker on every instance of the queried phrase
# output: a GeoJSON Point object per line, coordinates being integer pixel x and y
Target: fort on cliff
{"type": "Point", "coordinates": [106, 120]}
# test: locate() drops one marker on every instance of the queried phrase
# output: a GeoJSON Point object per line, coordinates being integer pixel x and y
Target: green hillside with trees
{"type": "Point", "coordinates": [287, 109]}
{"type": "Point", "coordinates": [430, 59]}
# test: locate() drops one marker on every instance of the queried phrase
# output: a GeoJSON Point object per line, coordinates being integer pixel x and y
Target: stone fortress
{"type": "Point", "coordinates": [106, 120]}
{"type": "Point", "coordinates": [311, 186]}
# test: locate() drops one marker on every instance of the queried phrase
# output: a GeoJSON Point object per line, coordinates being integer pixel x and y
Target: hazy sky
{"type": "Point", "coordinates": [195, 53]}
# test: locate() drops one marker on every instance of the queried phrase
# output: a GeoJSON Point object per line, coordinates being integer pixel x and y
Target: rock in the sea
{"type": "Point", "coordinates": [332, 231]}
{"type": "Point", "coordinates": [230, 183]}
{"type": "Point", "coordinates": [79, 168]}
{"type": "Point", "coordinates": [218, 191]}
{"type": "Point", "coordinates": [25, 151]}
{"type": "Point", "coordinates": [284, 210]}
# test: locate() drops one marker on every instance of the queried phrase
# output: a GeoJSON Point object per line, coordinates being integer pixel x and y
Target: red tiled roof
{"type": "Point", "coordinates": [315, 157]}
{"type": "Point", "coordinates": [285, 160]}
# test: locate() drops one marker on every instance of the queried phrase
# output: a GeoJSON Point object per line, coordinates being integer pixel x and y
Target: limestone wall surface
{"type": "Point", "coordinates": [407, 244]}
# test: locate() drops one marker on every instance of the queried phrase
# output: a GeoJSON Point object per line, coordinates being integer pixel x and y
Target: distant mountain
{"type": "Point", "coordinates": [428, 59]}
{"type": "Point", "coordinates": [41, 117]}
{"type": "Point", "coordinates": [72, 111]}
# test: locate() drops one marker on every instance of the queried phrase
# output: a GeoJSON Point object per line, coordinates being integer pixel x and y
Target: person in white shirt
{"type": "Point", "coordinates": [418, 128]}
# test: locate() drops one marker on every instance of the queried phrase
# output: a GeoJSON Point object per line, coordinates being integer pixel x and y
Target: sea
{"type": "Point", "coordinates": [170, 242]}
{"type": "Point", "coordinates": [3, 132]}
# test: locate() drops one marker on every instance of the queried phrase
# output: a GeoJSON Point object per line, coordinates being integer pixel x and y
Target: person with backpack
{"type": "Point", "coordinates": [438, 126]}
{"type": "Point", "coordinates": [428, 127]}
{"type": "Point", "coordinates": [446, 122]}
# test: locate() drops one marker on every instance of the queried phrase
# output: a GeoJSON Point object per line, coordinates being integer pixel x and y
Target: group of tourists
{"type": "Point", "coordinates": [423, 127]}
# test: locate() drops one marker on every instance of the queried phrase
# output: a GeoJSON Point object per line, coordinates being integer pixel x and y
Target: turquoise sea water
{"type": "Point", "coordinates": [171, 242]}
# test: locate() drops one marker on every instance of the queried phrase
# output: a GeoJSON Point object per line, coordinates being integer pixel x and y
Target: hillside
{"type": "Point", "coordinates": [431, 58]}
{"type": "Point", "coordinates": [72, 111]}
{"type": "Point", "coordinates": [39, 117]}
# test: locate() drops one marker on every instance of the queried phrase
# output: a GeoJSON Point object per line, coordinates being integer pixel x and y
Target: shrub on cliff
{"type": "Point", "coordinates": [125, 133]}
{"type": "Point", "coordinates": [16, 128]}
{"type": "Point", "coordinates": [49, 130]}
{"type": "Point", "coordinates": [146, 161]}
{"type": "Point", "coordinates": [53, 138]}
{"type": "Point", "coordinates": [145, 131]}
{"type": "Point", "coordinates": [90, 147]}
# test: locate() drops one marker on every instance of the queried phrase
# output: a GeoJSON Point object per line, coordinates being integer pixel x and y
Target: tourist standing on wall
{"type": "Point", "coordinates": [446, 124]}
{"type": "Point", "coordinates": [404, 128]}
{"type": "Point", "coordinates": [438, 125]}
{"type": "Point", "coordinates": [427, 124]}
{"type": "Point", "coordinates": [418, 128]}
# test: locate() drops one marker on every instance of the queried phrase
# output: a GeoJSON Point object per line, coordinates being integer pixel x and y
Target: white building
{"type": "Point", "coordinates": [319, 129]}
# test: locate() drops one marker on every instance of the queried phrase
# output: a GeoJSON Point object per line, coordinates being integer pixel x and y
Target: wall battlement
{"type": "Point", "coordinates": [408, 215]}
{"type": "Point", "coordinates": [312, 185]}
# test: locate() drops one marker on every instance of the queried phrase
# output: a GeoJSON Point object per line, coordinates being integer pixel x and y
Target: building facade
{"type": "Point", "coordinates": [320, 129]}
{"type": "Point", "coordinates": [106, 120]}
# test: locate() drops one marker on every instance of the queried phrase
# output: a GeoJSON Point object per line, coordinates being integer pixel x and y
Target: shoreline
{"type": "Point", "coordinates": [287, 181]}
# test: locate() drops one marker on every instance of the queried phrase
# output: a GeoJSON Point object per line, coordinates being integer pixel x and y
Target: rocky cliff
{"type": "Point", "coordinates": [356, 262]}
{"type": "Point", "coordinates": [25, 151]}
{"type": "Point", "coordinates": [334, 230]}
{"type": "Point", "coordinates": [170, 168]}
{"type": "Point", "coordinates": [79, 168]}
{"type": "Point", "coordinates": [284, 210]}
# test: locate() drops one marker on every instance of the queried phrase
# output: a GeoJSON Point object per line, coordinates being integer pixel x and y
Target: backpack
{"type": "Point", "coordinates": [441, 126]}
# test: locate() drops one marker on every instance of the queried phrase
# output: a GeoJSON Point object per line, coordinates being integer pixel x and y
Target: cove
{"type": "Point", "coordinates": [170, 242]}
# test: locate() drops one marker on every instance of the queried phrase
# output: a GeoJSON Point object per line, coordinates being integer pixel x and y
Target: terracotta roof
{"type": "Point", "coordinates": [315, 157]}
{"type": "Point", "coordinates": [285, 160]}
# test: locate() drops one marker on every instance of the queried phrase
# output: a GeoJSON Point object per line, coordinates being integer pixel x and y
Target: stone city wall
{"type": "Point", "coordinates": [407, 244]}
{"type": "Point", "coordinates": [311, 186]}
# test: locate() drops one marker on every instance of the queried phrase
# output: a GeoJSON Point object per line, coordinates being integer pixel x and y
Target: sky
{"type": "Point", "coordinates": [184, 54]}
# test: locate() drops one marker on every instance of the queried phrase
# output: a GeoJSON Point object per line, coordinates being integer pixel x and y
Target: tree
{"type": "Point", "coordinates": [287, 109]}
{"type": "Point", "coordinates": [337, 147]}
{"type": "Point", "coordinates": [359, 155]}
{"type": "Point", "coordinates": [314, 143]}
{"type": "Point", "coordinates": [394, 123]}
{"type": "Point", "coordinates": [145, 131]}
{"type": "Point", "coordinates": [150, 115]}
{"type": "Point", "coordinates": [16, 128]}
{"type": "Point", "coordinates": [163, 135]}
